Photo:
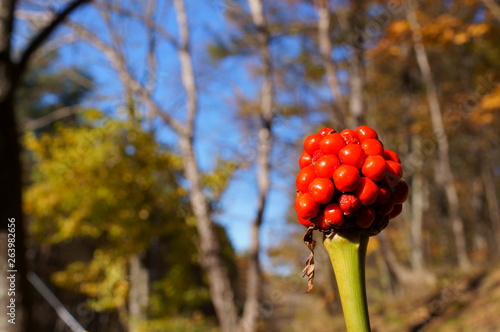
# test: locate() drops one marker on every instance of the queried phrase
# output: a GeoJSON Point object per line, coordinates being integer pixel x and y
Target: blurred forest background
{"type": "Point", "coordinates": [156, 145]}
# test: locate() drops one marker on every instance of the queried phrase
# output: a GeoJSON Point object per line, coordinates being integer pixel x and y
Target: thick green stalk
{"type": "Point", "coordinates": [347, 253]}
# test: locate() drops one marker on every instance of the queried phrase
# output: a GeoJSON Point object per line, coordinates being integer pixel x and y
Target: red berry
{"type": "Point", "coordinates": [379, 224]}
{"type": "Point", "coordinates": [383, 194]}
{"type": "Point", "coordinates": [349, 136]}
{"type": "Point", "coordinates": [372, 147]}
{"type": "Point", "coordinates": [391, 155]}
{"type": "Point", "coordinates": [396, 211]}
{"type": "Point", "coordinates": [304, 160]}
{"type": "Point", "coordinates": [316, 155]}
{"type": "Point", "coordinates": [334, 215]}
{"type": "Point", "coordinates": [365, 217]}
{"type": "Point", "coordinates": [326, 131]}
{"type": "Point", "coordinates": [349, 203]}
{"type": "Point", "coordinates": [393, 173]}
{"type": "Point", "coordinates": [352, 154]}
{"type": "Point", "coordinates": [306, 207]}
{"type": "Point", "coordinates": [385, 208]}
{"type": "Point", "coordinates": [321, 190]}
{"type": "Point", "coordinates": [367, 191]}
{"type": "Point", "coordinates": [320, 221]}
{"type": "Point", "coordinates": [332, 143]}
{"type": "Point", "coordinates": [311, 143]}
{"type": "Point", "coordinates": [326, 165]}
{"type": "Point", "coordinates": [374, 167]}
{"type": "Point", "coordinates": [346, 178]}
{"type": "Point", "coordinates": [400, 193]}
{"type": "Point", "coordinates": [304, 222]}
{"type": "Point", "coordinates": [304, 178]}
{"type": "Point", "coordinates": [365, 132]}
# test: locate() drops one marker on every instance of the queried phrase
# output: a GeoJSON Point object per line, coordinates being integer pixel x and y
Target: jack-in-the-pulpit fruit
{"type": "Point", "coordinates": [348, 180]}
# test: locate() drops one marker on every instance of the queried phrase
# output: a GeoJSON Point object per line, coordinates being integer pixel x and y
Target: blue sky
{"type": "Point", "coordinates": [217, 133]}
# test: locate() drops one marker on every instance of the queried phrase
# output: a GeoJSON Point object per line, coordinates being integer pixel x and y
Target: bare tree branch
{"type": "Point", "coordinates": [117, 44]}
{"type": "Point", "coordinates": [33, 16]}
{"type": "Point", "coordinates": [493, 7]}
{"type": "Point", "coordinates": [6, 25]}
{"type": "Point", "coordinates": [186, 65]}
{"type": "Point", "coordinates": [52, 117]}
{"type": "Point", "coordinates": [44, 34]}
{"type": "Point", "coordinates": [144, 20]}
{"type": "Point", "coordinates": [53, 45]}
{"type": "Point", "coordinates": [55, 303]}
{"type": "Point", "coordinates": [112, 29]}
{"type": "Point", "coordinates": [80, 79]}
{"type": "Point", "coordinates": [126, 76]}
{"type": "Point", "coordinates": [151, 56]}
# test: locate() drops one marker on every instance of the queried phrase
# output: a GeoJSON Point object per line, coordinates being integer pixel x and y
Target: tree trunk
{"type": "Point", "coordinates": [421, 275]}
{"type": "Point", "coordinates": [250, 316]}
{"type": "Point", "coordinates": [400, 272]}
{"type": "Point", "coordinates": [444, 169]}
{"type": "Point", "coordinates": [492, 203]}
{"type": "Point", "coordinates": [356, 67]}
{"type": "Point", "coordinates": [10, 188]}
{"type": "Point", "coordinates": [406, 279]}
{"type": "Point", "coordinates": [10, 165]}
{"type": "Point", "coordinates": [384, 274]}
{"type": "Point", "coordinates": [211, 259]}
{"type": "Point", "coordinates": [11, 207]}
{"type": "Point", "coordinates": [325, 46]}
{"type": "Point", "coordinates": [138, 297]}
{"type": "Point", "coordinates": [417, 207]}
{"type": "Point", "coordinates": [221, 291]}
{"type": "Point", "coordinates": [418, 194]}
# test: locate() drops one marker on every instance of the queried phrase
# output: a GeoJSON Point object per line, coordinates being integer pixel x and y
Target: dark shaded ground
{"type": "Point", "coordinates": [467, 303]}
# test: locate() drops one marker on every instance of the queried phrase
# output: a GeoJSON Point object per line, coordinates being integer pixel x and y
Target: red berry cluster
{"type": "Point", "coordinates": [348, 180]}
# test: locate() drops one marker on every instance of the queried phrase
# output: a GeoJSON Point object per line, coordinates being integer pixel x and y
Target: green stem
{"type": "Point", "coordinates": [347, 253]}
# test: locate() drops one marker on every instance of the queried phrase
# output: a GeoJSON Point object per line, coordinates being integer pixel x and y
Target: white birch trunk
{"type": "Point", "coordinates": [221, 291]}
{"type": "Point", "coordinates": [325, 46]}
{"type": "Point", "coordinates": [444, 169]}
{"type": "Point", "coordinates": [138, 298]}
{"type": "Point", "coordinates": [251, 308]}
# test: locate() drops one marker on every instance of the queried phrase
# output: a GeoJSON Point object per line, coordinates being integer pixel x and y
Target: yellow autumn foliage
{"type": "Point", "coordinates": [488, 107]}
{"type": "Point", "coordinates": [112, 185]}
{"type": "Point", "coordinates": [89, 181]}
{"type": "Point", "coordinates": [107, 181]}
{"type": "Point", "coordinates": [103, 280]}
{"type": "Point", "coordinates": [492, 100]}
{"type": "Point", "coordinates": [475, 30]}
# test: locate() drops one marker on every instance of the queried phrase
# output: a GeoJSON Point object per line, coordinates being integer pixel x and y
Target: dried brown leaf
{"type": "Point", "coordinates": [309, 268]}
